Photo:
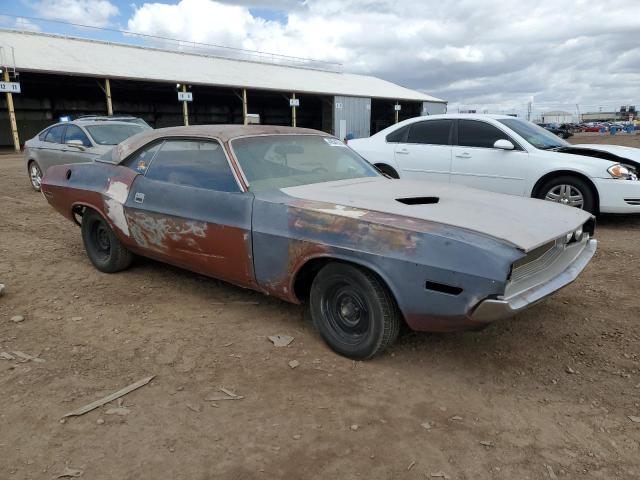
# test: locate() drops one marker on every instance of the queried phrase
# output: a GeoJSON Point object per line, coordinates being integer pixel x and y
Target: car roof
{"type": "Point", "coordinates": [224, 133]}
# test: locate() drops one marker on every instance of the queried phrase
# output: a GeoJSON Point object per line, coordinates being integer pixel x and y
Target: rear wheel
{"type": "Point", "coordinates": [569, 190]}
{"type": "Point", "coordinates": [354, 311]}
{"type": "Point", "coordinates": [35, 175]}
{"type": "Point", "coordinates": [103, 248]}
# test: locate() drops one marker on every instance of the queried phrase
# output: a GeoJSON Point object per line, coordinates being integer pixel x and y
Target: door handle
{"type": "Point", "coordinates": [404, 151]}
{"type": "Point", "coordinates": [139, 197]}
{"type": "Point", "coordinates": [463, 155]}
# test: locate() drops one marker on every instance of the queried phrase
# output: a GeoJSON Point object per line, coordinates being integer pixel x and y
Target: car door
{"type": "Point", "coordinates": [476, 163]}
{"type": "Point", "coordinates": [50, 148]}
{"type": "Point", "coordinates": [76, 154]}
{"type": "Point", "coordinates": [426, 152]}
{"type": "Point", "coordinates": [187, 208]}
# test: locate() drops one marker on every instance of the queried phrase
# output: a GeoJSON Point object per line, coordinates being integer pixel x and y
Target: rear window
{"type": "Point", "coordinates": [54, 134]}
{"type": "Point", "coordinates": [398, 136]}
{"type": "Point", "coordinates": [430, 132]}
{"type": "Point", "coordinates": [113, 134]}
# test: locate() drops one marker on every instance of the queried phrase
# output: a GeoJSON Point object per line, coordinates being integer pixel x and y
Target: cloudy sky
{"type": "Point", "coordinates": [486, 54]}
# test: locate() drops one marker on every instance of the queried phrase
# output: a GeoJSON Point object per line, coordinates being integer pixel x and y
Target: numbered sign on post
{"type": "Point", "coordinates": [397, 108]}
{"type": "Point", "coordinates": [9, 87]}
{"type": "Point", "coordinates": [185, 96]}
{"type": "Point", "coordinates": [294, 102]}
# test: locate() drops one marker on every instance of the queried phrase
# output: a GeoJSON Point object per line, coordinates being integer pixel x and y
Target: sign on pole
{"type": "Point", "coordinates": [185, 96]}
{"type": "Point", "coordinates": [397, 107]}
{"type": "Point", "coordinates": [9, 87]}
{"type": "Point", "coordinates": [294, 102]}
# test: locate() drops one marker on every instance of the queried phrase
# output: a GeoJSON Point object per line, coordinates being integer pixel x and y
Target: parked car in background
{"type": "Point", "coordinates": [562, 131]}
{"type": "Point", "coordinates": [81, 140]}
{"type": "Point", "coordinates": [296, 214]}
{"type": "Point", "coordinates": [507, 155]}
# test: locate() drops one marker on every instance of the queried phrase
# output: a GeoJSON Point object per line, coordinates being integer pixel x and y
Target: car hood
{"type": "Point", "coordinates": [629, 153]}
{"type": "Point", "coordinates": [523, 222]}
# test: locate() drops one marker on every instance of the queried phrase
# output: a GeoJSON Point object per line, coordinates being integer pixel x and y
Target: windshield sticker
{"type": "Point", "coordinates": [334, 142]}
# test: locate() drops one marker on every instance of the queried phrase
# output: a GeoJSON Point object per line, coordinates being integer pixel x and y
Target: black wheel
{"type": "Point", "coordinates": [569, 190]}
{"type": "Point", "coordinates": [387, 170]}
{"type": "Point", "coordinates": [35, 175]}
{"type": "Point", "coordinates": [354, 311]}
{"type": "Point", "coordinates": [102, 246]}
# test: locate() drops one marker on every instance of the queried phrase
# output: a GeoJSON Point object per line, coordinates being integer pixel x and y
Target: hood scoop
{"type": "Point", "coordinates": [418, 200]}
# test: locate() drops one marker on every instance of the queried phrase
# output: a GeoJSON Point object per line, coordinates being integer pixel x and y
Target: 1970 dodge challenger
{"type": "Point", "coordinates": [296, 214]}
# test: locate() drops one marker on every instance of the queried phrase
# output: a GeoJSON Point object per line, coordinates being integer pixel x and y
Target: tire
{"type": "Point", "coordinates": [353, 311]}
{"type": "Point", "coordinates": [103, 248]}
{"type": "Point", "coordinates": [387, 170]}
{"type": "Point", "coordinates": [562, 189]}
{"type": "Point", "coordinates": [35, 175]}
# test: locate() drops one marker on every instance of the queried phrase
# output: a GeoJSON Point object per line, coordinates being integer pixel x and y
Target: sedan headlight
{"type": "Point", "coordinates": [619, 171]}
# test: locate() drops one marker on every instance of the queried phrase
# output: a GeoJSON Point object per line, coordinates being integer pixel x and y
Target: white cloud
{"type": "Point", "coordinates": [26, 24]}
{"type": "Point", "coordinates": [480, 53]}
{"type": "Point", "coordinates": [96, 13]}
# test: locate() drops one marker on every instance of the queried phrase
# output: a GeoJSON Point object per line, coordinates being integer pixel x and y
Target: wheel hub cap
{"type": "Point", "coordinates": [567, 195]}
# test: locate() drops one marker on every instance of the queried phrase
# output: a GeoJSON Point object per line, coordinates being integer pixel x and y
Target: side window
{"type": "Point", "coordinates": [398, 136]}
{"type": "Point", "coordinates": [54, 135]}
{"type": "Point", "coordinates": [430, 132]}
{"type": "Point", "coordinates": [194, 163]}
{"type": "Point", "coordinates": [141, 160]}
{"type": "Point", "coordinates": [43, 134]}
{"type": "Point", "coordinates": [472, 133]}
{"type": "Point", "coordinates": [75, 133]}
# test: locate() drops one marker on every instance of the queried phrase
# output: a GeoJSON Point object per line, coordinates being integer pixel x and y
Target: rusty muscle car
{"type": "Point", "coordinates": [297, 214]}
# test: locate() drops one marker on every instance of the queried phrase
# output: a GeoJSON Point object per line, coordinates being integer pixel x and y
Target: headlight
{"type": "Point", "coordinates": [578, 234]}
{"type": "Point", "coordinates": [618, 171]}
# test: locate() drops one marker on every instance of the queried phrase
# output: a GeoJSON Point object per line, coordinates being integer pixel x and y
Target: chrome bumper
{"type": "Point", "coordinates": [561, 273]}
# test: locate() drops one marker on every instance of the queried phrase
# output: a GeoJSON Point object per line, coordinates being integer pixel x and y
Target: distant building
{"type": "Point", "coordinates": [557, 116]}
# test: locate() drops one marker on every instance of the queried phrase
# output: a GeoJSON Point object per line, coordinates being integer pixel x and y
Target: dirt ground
{"type": "Point", "coordinates": [545, 395]}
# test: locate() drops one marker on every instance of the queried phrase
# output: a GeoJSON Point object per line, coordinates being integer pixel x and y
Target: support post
{"type": "Point", "coordinates": [12, 113]}
{"type": "Point", "coordinates": [107, 91]}
{"type": "Point", "coordinates": [293, 111]}
{"type": "Point", "coordinates": [397, 112]}
{"type": "Point", "coordinates": [185, 107]}
{"type": "Point", "coordinates": [244, 106]}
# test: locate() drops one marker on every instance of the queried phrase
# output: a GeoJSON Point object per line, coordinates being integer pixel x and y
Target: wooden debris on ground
{"type": "Point", "coordinates": [109, 398]}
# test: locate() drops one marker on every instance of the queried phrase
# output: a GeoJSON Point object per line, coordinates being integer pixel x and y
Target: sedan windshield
{"type": "Point", "coordinates": [535, 135]}
{"type": "Point", "coordinates": [280, 161]}
{"type": "Point", "coordinates": [112, 133]}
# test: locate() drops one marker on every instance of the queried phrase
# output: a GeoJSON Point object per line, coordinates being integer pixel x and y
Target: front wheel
{"type": "Point", "coordinates": [103, 248]}
{"type": "Point", "coordinates": [354, 311]}
{"type": "Point", "coordinates": [569, 190]}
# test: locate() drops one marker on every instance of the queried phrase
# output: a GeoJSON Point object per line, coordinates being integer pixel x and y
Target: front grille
{"type": "Point", "coordinates": [632, 201]}
{"type": "Point", "coordinates": [536, 260]}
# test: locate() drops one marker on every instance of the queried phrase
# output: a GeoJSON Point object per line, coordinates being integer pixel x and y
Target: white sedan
{"type": "Point", "coordinates": [508, 155]}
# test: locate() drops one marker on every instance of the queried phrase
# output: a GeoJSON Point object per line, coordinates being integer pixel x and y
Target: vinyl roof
{"type": "Point", "coordinates": [39, 52]}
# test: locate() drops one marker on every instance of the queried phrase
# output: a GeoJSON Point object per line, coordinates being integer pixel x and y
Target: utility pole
{"type": "Point", "coordinates": [185, 108]}
{"type": "Point", "coordinates": [293, 110]}
{"type": "Point", "coordinates": [12, 113]}
{"type": "Point", "coordinates": [107, 91]}
{"type": "Point", "coordinates": [245, 120]}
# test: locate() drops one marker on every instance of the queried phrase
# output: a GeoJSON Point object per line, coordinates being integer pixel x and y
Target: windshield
{"type": "Point", "coordinates": [535, 135]}
{"type": "Point", "coordinates": [280, 161]}
{"type": "Point", "coordinates": [111, 133]}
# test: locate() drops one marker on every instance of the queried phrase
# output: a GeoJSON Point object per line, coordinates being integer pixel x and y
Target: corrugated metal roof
{"type": "Point", "coordinates": [38, 52]}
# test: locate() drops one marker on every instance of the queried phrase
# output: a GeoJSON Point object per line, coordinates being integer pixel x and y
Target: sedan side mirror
{"type": "Point", "coordinates": [76, 143]}
{"type": "Point", "coordinates": [503, 144]}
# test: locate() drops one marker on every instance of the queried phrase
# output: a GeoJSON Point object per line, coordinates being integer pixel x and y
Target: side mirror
{"type": "Point", "coordinates": [76, 143]}
{"type": "Point", "coordinates": [503, 144]}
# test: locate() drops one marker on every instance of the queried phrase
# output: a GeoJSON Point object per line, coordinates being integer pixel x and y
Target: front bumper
{"type": "Point", "coordinates": [618, 196]}
{"type": "Point", "coordinates": [529, 291]}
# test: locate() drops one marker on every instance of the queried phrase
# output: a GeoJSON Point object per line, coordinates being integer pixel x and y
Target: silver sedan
{"type": "Point", "coordinates": [73, 142]}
